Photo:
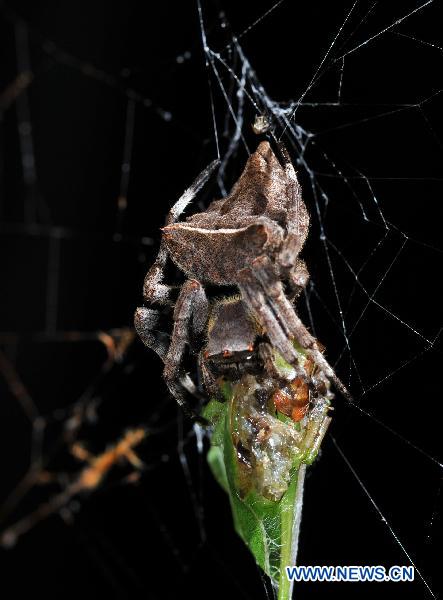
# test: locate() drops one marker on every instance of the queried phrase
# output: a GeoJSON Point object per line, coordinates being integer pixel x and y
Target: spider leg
{"type": "Point", "coordinates": [190, 311]}
{"type": "Point", "coordinates": [145, 321]}
{"type": "Point", "coordinates": [272, 293]}
{"type": "Point", "coordinates": [209, 382]}
{"type": "Point", "coordinates": [154, 290]}
{"type": "Point", "coordinates": [267, 356]}
{"type": "Point", "coordinates": [254, 297]}
{"type": "Point", "coordinates": [191, 192]}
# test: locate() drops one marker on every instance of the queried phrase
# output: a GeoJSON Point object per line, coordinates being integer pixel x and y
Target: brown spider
{"type": "Point", "coordinates": [248, 242]}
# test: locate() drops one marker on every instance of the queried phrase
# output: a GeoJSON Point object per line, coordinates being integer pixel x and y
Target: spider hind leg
{"type": "Point", "coordinates": [264, 294]}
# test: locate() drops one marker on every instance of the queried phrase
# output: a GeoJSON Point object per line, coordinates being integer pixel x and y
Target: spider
{"type": "Point", "coordinates": [249, 243]}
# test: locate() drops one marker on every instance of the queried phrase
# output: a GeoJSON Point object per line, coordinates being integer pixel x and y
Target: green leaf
{"type": "Point", "coordinates": [267, 527]}
{"type": "Point", "coordinates": [259, 457]}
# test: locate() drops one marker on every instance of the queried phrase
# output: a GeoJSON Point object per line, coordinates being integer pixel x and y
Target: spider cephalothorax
{"type": "Point", "coordinates": [250, 241]}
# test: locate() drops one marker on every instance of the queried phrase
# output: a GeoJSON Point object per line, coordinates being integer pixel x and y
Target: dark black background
{"type": "Point", "coordinates": [145, 540]}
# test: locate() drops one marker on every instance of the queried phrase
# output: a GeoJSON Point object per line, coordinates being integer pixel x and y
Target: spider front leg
{"type": "Point", "coordinates": [190, 313]}
{"type": "Point", "coordinates": [154, 290]}
{"type": "Point", "coordinates": [263, 292]}
{"type": "Point", "coordinates": [157, 292]}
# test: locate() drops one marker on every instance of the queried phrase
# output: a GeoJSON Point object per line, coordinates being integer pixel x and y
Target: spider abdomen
{"type": "Point", "coordinates": [214, 255]}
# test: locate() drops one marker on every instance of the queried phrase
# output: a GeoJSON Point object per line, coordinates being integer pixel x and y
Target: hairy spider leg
{"type": "Point", "coordinates": [145, 322]}
{"type": "Point", "coordinates": [267, 356]}
{"type": "Point", "coordinates": [255, 298]}
{"type": "Point", "coordinates": [191, 311]}
{"type": "Point", "coordinates": [156, 292]}
{"type": "Point", "coordinates": [209, 381]}
{"type": "Point", "coordinates": [277, 315]}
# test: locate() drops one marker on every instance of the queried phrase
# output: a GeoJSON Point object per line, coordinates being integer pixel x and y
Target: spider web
{"type": "Point", "coordinates": [362, 126]}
